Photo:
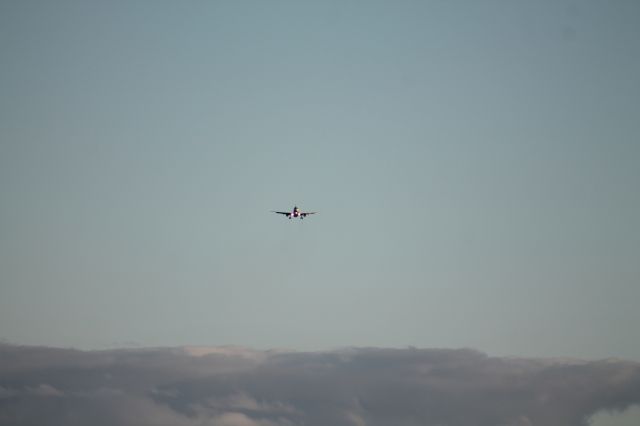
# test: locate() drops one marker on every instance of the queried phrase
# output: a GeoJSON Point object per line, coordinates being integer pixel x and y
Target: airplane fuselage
{"type": "Point", "coordinates": [294, 213]}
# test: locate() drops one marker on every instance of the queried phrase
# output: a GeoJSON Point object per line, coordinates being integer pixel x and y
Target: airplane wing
{"type": "Point", "coordinates": [307, 213]}
{"type": "Point", "coordinates": [284, 213]}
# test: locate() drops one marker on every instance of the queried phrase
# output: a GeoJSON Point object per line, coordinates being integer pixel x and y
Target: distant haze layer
{"type": "Point", "coordinates": [233, 386]}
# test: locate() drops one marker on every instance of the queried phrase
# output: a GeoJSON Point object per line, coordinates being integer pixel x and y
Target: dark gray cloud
{"type": "Point", "coordinates": [352, 387]}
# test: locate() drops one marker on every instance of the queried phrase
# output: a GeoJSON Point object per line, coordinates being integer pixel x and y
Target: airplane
{"type": "Point", "coordinates": [295, 213]}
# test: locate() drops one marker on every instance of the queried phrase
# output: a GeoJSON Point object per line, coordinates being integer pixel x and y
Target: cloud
{"type": "Point", "coordinates": [44, 390]}
{"type": "Point", "coordinates": [354, 387]}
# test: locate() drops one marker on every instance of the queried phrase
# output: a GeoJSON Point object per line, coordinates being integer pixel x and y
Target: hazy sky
{"type": "Point", "coordinates": [475, 166]}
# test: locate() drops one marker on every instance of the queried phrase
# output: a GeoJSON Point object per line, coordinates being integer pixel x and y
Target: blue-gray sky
{"type": "Point", "coordinates": [475, 166]}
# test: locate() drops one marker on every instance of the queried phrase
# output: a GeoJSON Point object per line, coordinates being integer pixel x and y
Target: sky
{"type": "Point", "coordinates": [474, 166]}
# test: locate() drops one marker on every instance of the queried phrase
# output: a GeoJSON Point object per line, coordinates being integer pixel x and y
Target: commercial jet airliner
{"type": "Point", "coordinates": [295, 213]}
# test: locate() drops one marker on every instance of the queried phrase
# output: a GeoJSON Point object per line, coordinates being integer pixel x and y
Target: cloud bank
{"type": "Point", "coordinates": [352, 387]}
